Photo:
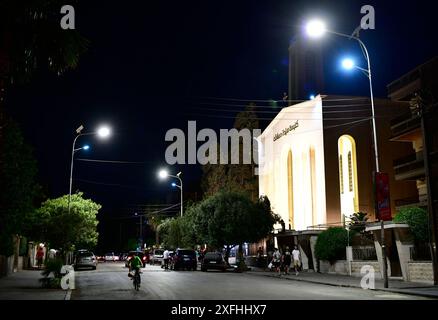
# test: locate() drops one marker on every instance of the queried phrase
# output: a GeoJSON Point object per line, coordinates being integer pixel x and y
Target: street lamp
{"type": "Point", "coordinates": [163, 174]}
{"type": "Point", "coordinates": [315, 29]}
{"type": "Point", "coordinates": [102, 132]}
{"type": "Point", "coordinates": [348, 64]}
{"type": "Point", "coordinates": [141, 230]}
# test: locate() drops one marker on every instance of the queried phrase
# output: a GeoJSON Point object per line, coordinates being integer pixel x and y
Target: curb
{"type": "Point", "coordinates": [427, 295]}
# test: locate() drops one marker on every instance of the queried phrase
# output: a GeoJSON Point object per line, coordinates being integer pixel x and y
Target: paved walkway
{"type": "Point", "coordinates": [395, 285]}
{"type": "Point", "coordinates": [24, 285]}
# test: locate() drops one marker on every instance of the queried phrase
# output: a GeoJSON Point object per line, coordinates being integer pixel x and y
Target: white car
{"type": "Point", "coordinates": [157, 257]}
{"type": "Point", "coordinates": [110, 257]}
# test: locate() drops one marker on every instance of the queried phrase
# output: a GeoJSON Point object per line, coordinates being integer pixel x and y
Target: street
{"type": "Point", "coordinates": [110, 282]}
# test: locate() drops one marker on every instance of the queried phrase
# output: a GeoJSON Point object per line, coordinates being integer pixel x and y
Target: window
{"type": "Point", "coordinates": [341, 174]}
{"type": "Point", "coordinates": [349, 195]}
{"type": "Point", "coordinates": [350, 173]}
{"type": "Point", "coordinates": [290, 186]}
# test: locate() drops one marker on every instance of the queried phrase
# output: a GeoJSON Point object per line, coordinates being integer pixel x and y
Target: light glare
{"type": "Point", "coordinates": [348, 64]}
{"type": "Point", "coordinates": [103, 132]}
{"type": "Point", "coordinates": [163, 174]}
{"type": "Point", "coordinates": [315, 28]}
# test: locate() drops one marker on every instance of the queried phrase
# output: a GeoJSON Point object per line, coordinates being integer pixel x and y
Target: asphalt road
{"type": "Point", "coordinates": [110, 282]}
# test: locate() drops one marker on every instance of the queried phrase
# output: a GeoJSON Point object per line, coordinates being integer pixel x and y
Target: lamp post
{"type": "Point", "coordinates": [141, 230]}
{"type": "Point", "coordinates": [163, 174]}
{"type": "Point", "coordinates": [316, 29]}
{"type": "Point", "coordinates": [102, 132]}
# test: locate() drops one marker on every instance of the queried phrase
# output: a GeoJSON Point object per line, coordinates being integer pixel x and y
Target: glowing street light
{"type": "Point", "coordinates": [163, 174]}
{"type": "Point", "coordinates": [348, 64]}
{"type": "Point", "coordinates": [102, 132]}
{"type": "Point", "coordinates": [315, 28]}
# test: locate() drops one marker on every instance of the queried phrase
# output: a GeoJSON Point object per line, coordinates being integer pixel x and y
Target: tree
{"type": "Point", "coordinates": [180, 231]}
{"type": "Point", "coordinates": [60, 229]}
{"type": "Point", "coordinates": [331, 244]}
{"type": "Point", "coordinates": [17, 184]}
{"type": "Point", "coordinates": [417, 219]}
{"type": "Point", "coordinates": [357, 224]}
{"type": "Point", "coordinates": [32, 38]}
{"type": "Point", "coordinates": [234, 177]}
{"type": "Point", "coordinates": [232, 218]}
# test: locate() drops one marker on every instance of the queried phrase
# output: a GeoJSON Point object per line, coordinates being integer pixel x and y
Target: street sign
{"type": "Point", "coordinates": [382, 196]}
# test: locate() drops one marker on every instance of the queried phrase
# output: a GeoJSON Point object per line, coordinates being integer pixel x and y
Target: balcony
{"type": "Point", "coordinates": [405, 127]}
{"type": "Point", "coordinates": [410, 167]}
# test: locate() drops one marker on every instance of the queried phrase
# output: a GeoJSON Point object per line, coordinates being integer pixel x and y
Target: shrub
{"type": "Point", "coordinates": [331, 244]}
{"type": "Point", "coordinates": [417, 220]}
{"type": "Point", "coordinates": [53, 266]}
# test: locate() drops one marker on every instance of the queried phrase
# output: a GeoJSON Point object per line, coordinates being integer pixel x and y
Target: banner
{"type": "Point", "coordinates": [382, 196]}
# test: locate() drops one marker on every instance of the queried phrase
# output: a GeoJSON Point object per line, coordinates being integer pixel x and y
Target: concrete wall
{"type": "Point", "coordinates": [6, 265]}
{"type": "Point", "coordinates": [339, 267]}
{"type": "Point", "coordinates": [356, 266]}
{"type": "Point", "coordinates": [420, 271]}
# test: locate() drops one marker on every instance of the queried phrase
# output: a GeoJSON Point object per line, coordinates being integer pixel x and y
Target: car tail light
{"type": "Point", "coordinates": [144, 258]}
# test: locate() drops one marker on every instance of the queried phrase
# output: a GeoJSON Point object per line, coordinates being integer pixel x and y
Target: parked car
{"type": "Point", "coordinates": [110, 257]}
{"type": "Point", "coordinates": [131, 254]}
{"type": "Point", "coordinates": [184, 259]}
{"type": "Point", "coordinates": [156, 257]}
{"type": "Point", "coordinates": [100, 258]}
{"type": "Point", "coordinates": [213, 260]}
{"type": "Point", "coordinates": [85, 259]}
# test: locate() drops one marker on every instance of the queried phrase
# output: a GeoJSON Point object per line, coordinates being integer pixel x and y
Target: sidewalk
{"type": "Point", "coordinates": [24, 285]}
{"type": "Point", "coordinates": [394, 285]}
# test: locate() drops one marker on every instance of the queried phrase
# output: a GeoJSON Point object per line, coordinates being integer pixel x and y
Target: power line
{"type": "Point", "coordinates": [112, 184]}
{"type": "Point", "coordinates": [114, 161]}
{"type": "Point", "coordinates": [270, 119]}
{"type": "Point", "coordinates": [273, 100]}
{"type": "Point", "coordinates": [276, 112]}
{"type": "Point", "coordinates": [294, 105]}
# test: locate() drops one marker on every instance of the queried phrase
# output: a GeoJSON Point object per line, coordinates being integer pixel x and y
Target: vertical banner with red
{"type": "Point", "coordinates": [383, 204]}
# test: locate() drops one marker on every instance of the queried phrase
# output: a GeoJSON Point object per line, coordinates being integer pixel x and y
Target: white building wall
{"type": "Point", "coordinates": [273, 173]}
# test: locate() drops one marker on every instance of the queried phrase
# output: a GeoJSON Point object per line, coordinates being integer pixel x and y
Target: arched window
{"type": "Point", "coordinates": [290, 187]}
{"type": "Point", "coordinates": [350, 173]}
{"type": "Point", "coordinates": [349, 196]}
{"type": "Point", "coordinates": [341, 174]}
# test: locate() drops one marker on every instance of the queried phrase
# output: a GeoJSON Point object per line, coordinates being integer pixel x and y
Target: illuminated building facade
{"type": "Point", "coordinates": [316, 160]}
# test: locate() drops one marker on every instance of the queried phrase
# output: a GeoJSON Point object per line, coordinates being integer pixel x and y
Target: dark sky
{"type": "Point", "coordinates": [152, 64]}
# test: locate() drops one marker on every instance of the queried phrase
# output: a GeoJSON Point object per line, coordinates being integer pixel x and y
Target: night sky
{"type": "Point", "coordinates": [153, 65]}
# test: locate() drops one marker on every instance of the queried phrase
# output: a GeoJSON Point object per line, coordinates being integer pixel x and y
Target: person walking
{"type": "Point", "coordinates": [297, 261]}
{"type": "Point", "coordinates": [40, 256]}
{"type": "Point", "coordinates": [260, 257]}
{"type": "Point", "coordinates": [276, 261]}
{"type": "Point", "coordinates": [166, 259]}
{"type": "Point", "coordinates": [286, 260]}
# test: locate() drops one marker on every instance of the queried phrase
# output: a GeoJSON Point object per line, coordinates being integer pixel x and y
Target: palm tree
{"type": "Point", "coordinates": [31, 38]}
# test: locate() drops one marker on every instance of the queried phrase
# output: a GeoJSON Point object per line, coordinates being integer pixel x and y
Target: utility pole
{"type": "Point", "coordinates": [141, 231]}
{"type": "Point", "coordinates": [430, 202]}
